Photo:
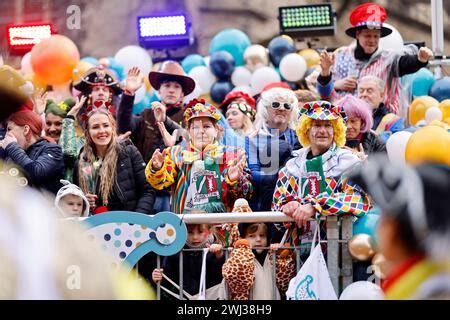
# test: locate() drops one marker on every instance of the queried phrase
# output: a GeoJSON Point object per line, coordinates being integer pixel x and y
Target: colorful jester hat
{"type": "Point", "coordinates": [198, 108]}
{"type": "Point", "coordinates": [323, 110]}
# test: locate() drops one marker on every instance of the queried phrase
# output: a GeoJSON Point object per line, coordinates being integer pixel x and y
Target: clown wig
{"type": "Point", "coordinates": [305, 123]}
{"type": "Point", "coordinates": [357, 108]}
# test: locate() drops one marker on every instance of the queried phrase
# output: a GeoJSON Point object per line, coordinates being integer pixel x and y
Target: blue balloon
{"type": "Point", "coordinates": [440, 90]}
{"type": "Point", "coordinates": [222, 65]}
{"type": "Point", "coordinates": [422, 82]}
{"type": "Point", "coordinates": [117, 68]}
{"type": "Point", "coordinates": [233, 41]}
{"type": "Point", "coordinates": [219, 90]}
{"type": "Point", "coordinates": [278, 48]}
{"type": "Point", "coordinates": [141, 105]}
{"type": "Point", "coordinates": [367, 224]}
{"type": "Point", "coordinates": [192, 61]}
{"type": "Point", "coordinates": [90, 60]}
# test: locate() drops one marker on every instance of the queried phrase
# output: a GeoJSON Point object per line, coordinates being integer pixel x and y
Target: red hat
{"type": "Point", "coordinates": [368, 16]}
{"type": "Point", "coordinates": [234, 95]}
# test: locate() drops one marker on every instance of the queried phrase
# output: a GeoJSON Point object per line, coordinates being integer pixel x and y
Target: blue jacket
{"type": "Point", "coordinates": [42, 163]}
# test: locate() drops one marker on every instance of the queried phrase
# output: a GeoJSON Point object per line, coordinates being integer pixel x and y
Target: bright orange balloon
{"type": "Point", "coordinates": [419, 107]}
{"type": "Point", "coordinates": [445, 108]}
{"type": "Point", "coordinates": [429, 144]}
{"type": "Point", "coordinates": [311, 57]}
{"type": "Point", "coordinates": [80, 69]}
{"type": "Point", "coordinates": [54, 58]}
{"type": "Point", "coordinates": [38, 83]}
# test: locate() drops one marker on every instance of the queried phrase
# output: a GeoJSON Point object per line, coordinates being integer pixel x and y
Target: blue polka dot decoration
{"type": "Point", "coordinates": [128, 243]}
{"type": "Point", "coordinates": [117, 232]}
{"type": "Point", "coordinates": [122, 255]}
{"type": "Point", "coordinates": [107, 237]}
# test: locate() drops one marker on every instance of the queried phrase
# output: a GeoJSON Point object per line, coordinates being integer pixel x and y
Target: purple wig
{"type": "Point", "coordinates": [355, 107]}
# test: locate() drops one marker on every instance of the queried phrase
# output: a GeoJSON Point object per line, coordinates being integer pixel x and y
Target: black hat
{"type": "Point", "coordinates": [98, 76]}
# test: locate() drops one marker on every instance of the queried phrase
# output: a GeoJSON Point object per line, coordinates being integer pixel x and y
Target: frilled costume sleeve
{"type": "Point", "coordinates": [165, 176]}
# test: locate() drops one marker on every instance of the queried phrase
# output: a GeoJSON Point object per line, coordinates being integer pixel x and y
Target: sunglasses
{"type": "Point", "coordinates": [277, 105]}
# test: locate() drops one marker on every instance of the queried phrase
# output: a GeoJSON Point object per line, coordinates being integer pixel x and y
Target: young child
{"type": "Point", "coordinates": [199, 236]}
{"type": "Point", "coordinates": [71, 201]}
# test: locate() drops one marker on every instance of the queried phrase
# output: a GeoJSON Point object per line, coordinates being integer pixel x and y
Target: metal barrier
{"type": "Point", "coordinates": [339, 232]}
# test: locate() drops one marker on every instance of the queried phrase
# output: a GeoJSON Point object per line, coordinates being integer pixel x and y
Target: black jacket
{"type": "Point", "coordinates": [131, 191]}
{"type": "Point", "coordinates": [42, 163]}
{"type": "Point", "coordinates": [372, 143]}
{"type": "Point", "coordinates": [378, 114]}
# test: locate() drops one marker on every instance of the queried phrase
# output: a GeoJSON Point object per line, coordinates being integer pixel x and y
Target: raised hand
{"type": "Point", "coordinates": [237, 169]}
{"type": "Point", "coordinates": [169, 139]}
{"type": "Point", "coordinates": [425, 54]}
{"type": "Point", "coordinates": [158, 159]}
{"type": "Point", "coordinates": [39, 101]}
{"type": "Point", "coordinates": [134, 80]}
{"type": "Point", "coordinates": [76, 108]}
{"type": "Point", "coordinates": [159, 111]}
{"type": "Point", "coordinates": [326, 62]}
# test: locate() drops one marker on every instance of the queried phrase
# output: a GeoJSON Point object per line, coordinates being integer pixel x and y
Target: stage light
{"type": "Point", "coordinates": [22, 38]}
{"type": "Point", "coordinates": [307, 20]}
{"type": "Point", "coordinates": [165, 32]}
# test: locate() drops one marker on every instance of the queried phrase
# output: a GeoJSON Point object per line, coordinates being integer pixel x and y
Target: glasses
{"type": "Point", "coordinates": [277, 105]}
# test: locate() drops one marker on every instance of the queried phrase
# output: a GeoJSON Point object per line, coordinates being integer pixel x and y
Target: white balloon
{"type": "Point", "coordinates": [194, 94]}
{"type": "Point", "coordinates": [241, 76]}
{"type": "Point", "coordinates": [246, 89]}
{"type": "Point", "coordinates": [203, 77]}
{"type": "Point", "coordinates": [262, 77]}
{"type": "Point", "coordinates": [396, 146]}
{"type": "Point", "coordinates": [362, 290]}
{"type": "Point", "coordinates": [394, 41]}
{"type": "Point", "coordinates": [25, 64]}
{"type": "Point", "coordinates": [139, 94]}
{"type": "Point", "coordinates": [134, 56]}
{"type": "Point", "coordinates": [293, 67]}
{"type": "Point", "coordinates": [28, 88]}
{"type": "Point", "coordinates": [433, 113]}
{"type": "Point", "coordinates": [256, 56]}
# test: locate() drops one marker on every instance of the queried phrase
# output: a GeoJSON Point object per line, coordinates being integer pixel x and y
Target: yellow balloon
{"type": "Point", "coordinates": [288, 38]}
{"type": "Point", "coordinates": [361, 247]}
{"type": "Point", "coordinates": [445, 108]}
{"type": "Point", "coordinates": [80, 69]}
{"type": "Point", "coordinates": [429, 144]}
{"type": "Point", "coordinates": [419, 107]}
{"type": "Point", "coordinates": [148, 86]}
{"type": "Point", "coordinates": [311, 57]}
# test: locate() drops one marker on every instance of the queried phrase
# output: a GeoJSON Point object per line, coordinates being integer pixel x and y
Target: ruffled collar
{"type": "Point", "coordinates": [213, 150]}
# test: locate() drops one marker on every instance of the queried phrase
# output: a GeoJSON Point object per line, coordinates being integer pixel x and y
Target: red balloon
{"type": "Point", "coordinates": [54, 58]}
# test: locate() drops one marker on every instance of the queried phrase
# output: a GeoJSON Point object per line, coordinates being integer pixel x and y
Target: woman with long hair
{"type": "Point", "coordinates": [111, 173]}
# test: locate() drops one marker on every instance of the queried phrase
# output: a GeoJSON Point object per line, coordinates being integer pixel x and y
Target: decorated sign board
{"type": "Point", "coordinates": [128, 236]}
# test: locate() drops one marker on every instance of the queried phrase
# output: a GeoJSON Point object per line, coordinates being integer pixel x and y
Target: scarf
{"type": "Point", "coordinates": [360, 54]}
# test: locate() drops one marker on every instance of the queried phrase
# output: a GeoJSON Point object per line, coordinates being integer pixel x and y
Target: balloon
{"type": "Point", "coordinates": [433, 113]}
{"type": "Point", "coordinates": [429, 144]}
{"type": "Point", "coordinates": [54, 58]}
{"type": "Point", "coordinates": [311, 56]}
{"type": "Point", "coordinates": [25, 64]}
{"type": "Point", "coordinates": [362, 290]}
{"type": "Point", "coordinates": [293, 67]}
{"type": "Point", "coordinates": [422, 82]}
{"type": "Point", "coordinates": [367, 224]}
{"type": "Point", "coordinates": [418, 108]}
{"type": "Point", "coordinates": [37, 82]}
{"type": "Point", "coordinates": [444, 106]}
{"type": "Point", "coordinates": [440, 90]}
{"type": "Point", "coordinates": [222, 65]}
{"type": "Point", "coordinates": [91, 60]}
{"type": "Point", "coordinates": [140, 106]}
{"type": "Point", "coordinates": [361, 247]}
{"type": "Point", "coordinates": [192, 61]}
{"type": "Point", "coordinates": [256, 56]}
{"type": "Point", "coordinates": [134, 56]}
{"type": "Point", "coordinates": [396, 146]}
{"type": "Point", "coordinates": [80, 69]}
{"type": "Point", "coordinates": [203, 78]}
{"type": "Point", "coordinates": [246, 89]}
{"type": "Point", "coordinates": [380, 266]}
{"type": "Point", "coordinates": [278, 48]}
{"type": "Point", "coordinates": [28, 88]}
{"type": "Point", "coordinates": [139, 94]}
{"type": "Point", "coordinates": [220, 89]}
{"type": "Point", "coordinates": [147, 84]}
{"type": "Point", "coordinates": [194, 94]}
{"type": "Point", "coordinates": [241, 76]}
{"type": "Point", "coordinates": [394, 41]}
{"type": "Point", "coordinates": [233, 41]}
{"type": "Point", "coordinates": [262, 77]}
{"type": "Point", "coordinates": [118, 68]}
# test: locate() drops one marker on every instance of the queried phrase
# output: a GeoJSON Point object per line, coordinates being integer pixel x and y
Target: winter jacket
{"type": "Point", "coordinates": [372, 143]}
{"type": "Point", "coordinates": [42, 163]}
{"type": "Point", "coordinates": [131, 192]}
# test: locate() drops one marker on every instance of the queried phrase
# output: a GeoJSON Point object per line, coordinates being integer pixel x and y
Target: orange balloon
{"type": "Point", "coordinates": [362, 247]}
{"type": "Point", "coordinates": [419, 107]}
{"type": "Point", "coordinates": [444, 106]}
{"type": "Point", "coordinates": [38, 83]}
{"type": "Point", "coordinates": [429, 144]}
{"type": "Point", "coordinates": [311, 57]}
{"type": "Point", "coordinates": [80, 69]}
{"type": "Point", "coordinates": [53, 59]}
